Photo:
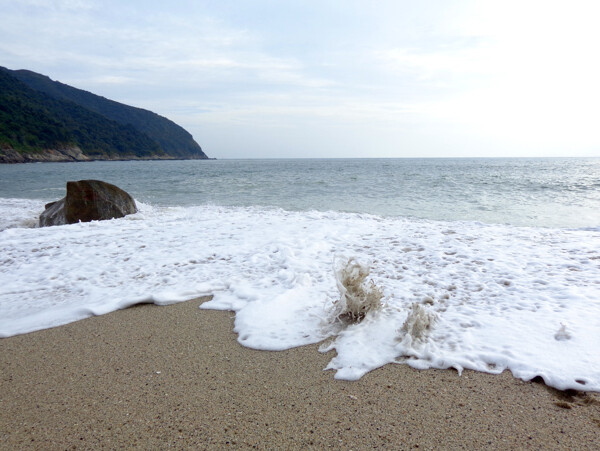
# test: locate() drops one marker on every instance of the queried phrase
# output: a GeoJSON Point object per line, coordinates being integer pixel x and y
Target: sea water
{"type": "Point", "coordinates": [499, 258]}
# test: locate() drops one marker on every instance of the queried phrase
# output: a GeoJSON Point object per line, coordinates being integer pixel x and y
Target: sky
{"type": "Point", "coordinates": [332, 78]}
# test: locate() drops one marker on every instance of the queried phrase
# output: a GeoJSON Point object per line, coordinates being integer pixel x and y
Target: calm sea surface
{"type": "Point", "coordinates": [526, 192]}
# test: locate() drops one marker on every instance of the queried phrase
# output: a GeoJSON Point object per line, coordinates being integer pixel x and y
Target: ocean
{"type": "Point", "coordinates": [485, 264]}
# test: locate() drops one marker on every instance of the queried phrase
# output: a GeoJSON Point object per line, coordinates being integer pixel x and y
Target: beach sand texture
{"type": "Point", "coordinates": [153, 377]}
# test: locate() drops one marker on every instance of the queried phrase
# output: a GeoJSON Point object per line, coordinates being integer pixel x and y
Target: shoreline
{"type": "Point", "coordinates": [75, 155]}
{"type": "Point", "coordinates": [153, 377]}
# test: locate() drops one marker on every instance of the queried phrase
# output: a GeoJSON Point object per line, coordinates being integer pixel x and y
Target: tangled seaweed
{"type": "Point", "coordinates": [418, 323]}
{"type": "Point", "coordinates": [358, 297]}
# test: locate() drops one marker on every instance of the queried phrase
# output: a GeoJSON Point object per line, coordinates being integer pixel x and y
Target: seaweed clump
{"type": "Point", "coordinates": [357, 296]}
{"type": "Point", "coordinates": [418, 323]}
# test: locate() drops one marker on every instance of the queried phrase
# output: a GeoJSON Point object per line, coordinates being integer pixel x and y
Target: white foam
{"type": "Point", "coordinates": [488, 298]}
{"type": "Point", "coordinates": [19, 213]}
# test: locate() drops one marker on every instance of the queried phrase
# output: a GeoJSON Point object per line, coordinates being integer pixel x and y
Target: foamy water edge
{"type": "Point", "coordinates": [524, 299]}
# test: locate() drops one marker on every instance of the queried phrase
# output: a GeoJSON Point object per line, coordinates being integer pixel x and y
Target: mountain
{"type": "Point", "coordinates": [45, 120]}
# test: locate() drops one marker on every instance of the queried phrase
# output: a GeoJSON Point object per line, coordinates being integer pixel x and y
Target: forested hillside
{"type": "Point", "coordinates": [38, 114]}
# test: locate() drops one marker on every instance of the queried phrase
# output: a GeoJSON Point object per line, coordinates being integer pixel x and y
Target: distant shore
{"type": "Point", "coordinates": [74, 154]}
{"type": "Point", "coordinates": [151, 377]}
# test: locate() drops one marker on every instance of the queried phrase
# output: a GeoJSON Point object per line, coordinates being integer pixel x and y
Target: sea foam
{"type": "Point", "coordinates": [454, 294]}
{"type": "Point", "coordinates": [19, 213]}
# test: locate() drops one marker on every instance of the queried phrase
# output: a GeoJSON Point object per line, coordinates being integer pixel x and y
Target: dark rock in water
{"type": "Point", "coordinates": [54, 214]}
{"type": "Point", "coordinates": [88, 200]}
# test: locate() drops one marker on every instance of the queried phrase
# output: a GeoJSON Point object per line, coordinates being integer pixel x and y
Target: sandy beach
{"type": "Point", "coordinates": [153, 377]}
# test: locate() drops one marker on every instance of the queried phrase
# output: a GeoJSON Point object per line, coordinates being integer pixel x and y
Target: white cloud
{"type": "Point", "coordinates": [112, 80]}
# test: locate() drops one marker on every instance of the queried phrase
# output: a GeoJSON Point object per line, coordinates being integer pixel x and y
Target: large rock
{"type": "Point", "coordinates": [88, 200]}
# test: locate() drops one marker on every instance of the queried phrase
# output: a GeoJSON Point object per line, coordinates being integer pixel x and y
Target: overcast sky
{"type": "Point", "coordinates": [324, 78]}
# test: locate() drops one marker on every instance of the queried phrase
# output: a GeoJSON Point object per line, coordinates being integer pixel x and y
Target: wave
{"type": "Point", "coordinates": [496, 297]}
{"type": "Point", "coordinates": [20, 213]}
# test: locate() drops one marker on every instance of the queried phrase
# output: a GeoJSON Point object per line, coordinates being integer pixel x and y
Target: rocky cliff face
{"type": "Point", "coordinates": [72, 154]}
{"type": "Point", "coordinates": [69, 154]}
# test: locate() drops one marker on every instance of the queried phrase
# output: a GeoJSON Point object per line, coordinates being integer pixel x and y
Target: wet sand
{"type": "Point", "coordinates": [153, 377]}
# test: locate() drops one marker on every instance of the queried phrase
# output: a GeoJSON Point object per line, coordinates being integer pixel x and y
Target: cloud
{"type": "Point", "coordinates": [439, 64]}
{"type": "Point", "coordinates": [512, 71]}
{"type": "Point", "coordinates": [112, 80]}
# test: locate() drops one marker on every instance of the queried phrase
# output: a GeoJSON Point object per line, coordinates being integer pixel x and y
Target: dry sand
{"type": "Point", "coordinates": [157, 377]}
